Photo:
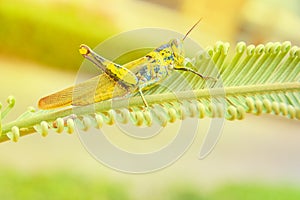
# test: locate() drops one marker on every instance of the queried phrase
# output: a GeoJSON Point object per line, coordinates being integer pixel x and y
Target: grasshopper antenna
{"type": "Point", "coordinates": [191, 29]}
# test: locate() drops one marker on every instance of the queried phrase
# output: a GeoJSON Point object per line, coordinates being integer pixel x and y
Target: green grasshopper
{"type": "Point", "coordinates": [119, 81]}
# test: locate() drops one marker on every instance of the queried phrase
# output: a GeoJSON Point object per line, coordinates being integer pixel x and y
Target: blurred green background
{"type": "Point", "coordinates": [257, 158]}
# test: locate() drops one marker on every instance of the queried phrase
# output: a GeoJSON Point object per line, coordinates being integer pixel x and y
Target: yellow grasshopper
{"type": "Point", "coordinates": [120, 81]}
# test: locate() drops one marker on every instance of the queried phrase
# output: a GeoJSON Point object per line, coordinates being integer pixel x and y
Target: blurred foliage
{"type": "Point", "coordinates": [58, 185]}
{"type": "Point", "coordinates": [67, 185]}
{"type": "Point", "coordinates": [186, 191]}
{"type": "Point", "coordinates": [263, 21]}
{"type": "Point", "coordinates": [234, 191]}
{"type": "Point", "coordinates": [249, 191]}
{"type": "Point", "coordinates": [50, 33]}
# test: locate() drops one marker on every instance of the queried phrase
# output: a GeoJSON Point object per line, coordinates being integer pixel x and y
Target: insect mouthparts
{"type": "Point", "coordinates": [84, 50]}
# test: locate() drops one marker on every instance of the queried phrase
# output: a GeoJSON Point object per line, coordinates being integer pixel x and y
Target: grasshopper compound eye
{"type": "Point", "coordinates": [84, 50]}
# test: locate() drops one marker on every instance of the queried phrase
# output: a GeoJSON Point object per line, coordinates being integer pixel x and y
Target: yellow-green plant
{"type": "Point", "coordinates": [253, 79]}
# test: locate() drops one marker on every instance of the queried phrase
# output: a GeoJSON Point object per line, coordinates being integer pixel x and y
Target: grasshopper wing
{"type": "Point", "coordinates": [93, 90]}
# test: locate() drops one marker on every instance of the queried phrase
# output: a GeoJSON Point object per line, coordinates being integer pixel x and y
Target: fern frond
{"type": "Point", "coordinates": [252, 79]}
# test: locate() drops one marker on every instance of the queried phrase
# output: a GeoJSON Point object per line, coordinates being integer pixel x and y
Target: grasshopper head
{"type": "Point", "coordinates": [177, 46]}
{"type": "Point", "coordinates": [177, 49]}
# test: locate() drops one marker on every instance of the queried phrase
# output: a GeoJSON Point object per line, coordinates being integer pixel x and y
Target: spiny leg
{"type": "Point", "coordinates": [145, 85]}
{"type": "Point", "coordinates": [143, 98]}
{"type": "Point", "coordinates": [193, 71]}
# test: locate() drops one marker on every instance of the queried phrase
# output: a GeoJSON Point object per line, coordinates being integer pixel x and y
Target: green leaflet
{"type": "Point", "coordinates": [251, 79]}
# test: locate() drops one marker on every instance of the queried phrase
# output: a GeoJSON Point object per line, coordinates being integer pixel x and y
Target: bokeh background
{"type": "Point", "coordinates": [257, 158]}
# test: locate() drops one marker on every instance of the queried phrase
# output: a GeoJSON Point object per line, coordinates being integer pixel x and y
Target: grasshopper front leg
{"type": "Point", "coordinates": [143, 98]}
{"type": "Point", "coordinates": [193, 71]}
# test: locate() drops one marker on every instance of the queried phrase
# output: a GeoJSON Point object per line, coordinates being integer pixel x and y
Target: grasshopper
{"type": "Point", "coordinates": [120, 81]}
